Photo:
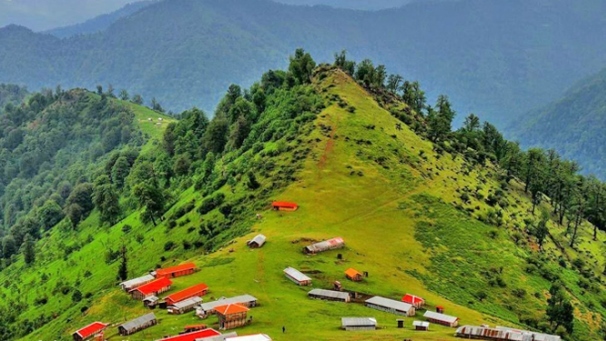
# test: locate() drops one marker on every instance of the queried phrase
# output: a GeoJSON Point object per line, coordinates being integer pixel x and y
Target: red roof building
{"type": "Point", "coordinates": [284, 206]}
{"type": "Point", "coordinates": [197, 290]}
{"type": "Point", "coordinates": [152, 288]}
{"type": "Point", "coordinates": [89, 331]}
{"type": "Point", "coordinates": [176, 271]}
{"type": "Point", "coordinates": [413, 300]}
{"type": "Point", "coordinates": [193, 335]}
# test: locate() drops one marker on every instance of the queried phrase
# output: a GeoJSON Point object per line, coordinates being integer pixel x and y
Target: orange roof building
{"type": "Point", "coordinates": [196, 290]}
{"type": "Point", "coordinates": [284, 206]}
{"type": "Point", "coordinates": [152, 288]}
{"type": "Point", "coordinates": [353, 275]}
{"type": "Point", "coordinates": [89, 331]}
{"type": "Point", "coordinates": [176, 271]}
{"type": "Point", "coordinates": [231, 316]}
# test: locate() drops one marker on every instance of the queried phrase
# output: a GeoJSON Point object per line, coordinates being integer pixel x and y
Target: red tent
{"type": "Point", "coordinates": [413, 300]}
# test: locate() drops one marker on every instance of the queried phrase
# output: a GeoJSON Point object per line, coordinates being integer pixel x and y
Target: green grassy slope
{"type": "Point", "coordinates": [393, 200]}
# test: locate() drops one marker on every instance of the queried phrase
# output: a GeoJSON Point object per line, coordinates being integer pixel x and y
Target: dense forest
{"type": "Point", "coordinates": [217, 43]}
{"type": "Point", "coordinates": [572, 125]}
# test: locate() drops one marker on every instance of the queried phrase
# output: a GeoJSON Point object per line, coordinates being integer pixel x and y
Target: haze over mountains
{"type": "Point", "coordinates": [496, 58]}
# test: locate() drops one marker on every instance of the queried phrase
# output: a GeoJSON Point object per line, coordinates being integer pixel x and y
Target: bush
{"type": "Point", "coordinates": [169, 245]}
{"type": "Point", "coordinates": [211, 203]}
{"type": "Point", "coordinates": [126, 228]}
{"type": "Point", "coordinates": [520, 293]}
{"type": "Point", "coordinates": [76, 296]}
{"type": "Point", "coordinates": [186, 245]}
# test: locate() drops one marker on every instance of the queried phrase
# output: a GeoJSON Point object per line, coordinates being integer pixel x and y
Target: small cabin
{"type": "Point", "coordinates": [443, 319]}
{"type": "Point", "coordinates": [151, 289]}
{"type": "Point", "coordinates": [151, 301]}
{"type": "Point", "coordinates": [284, 206]}
{"type": "Point", "coordinates": [331, 244]}
{"type": "Point", "coordinates": [89, 331]}
{"type": "Point", "coordinates": [137, 324]}
{"type": "Point", "coordinates": [353, 275]}
{"type": "Point", "coordinates": [329, 295]}
{"type": "Point", "coordinates": [390, 306]}
{"type": "Point", "coordinates": [176, 271]}
{"type": "Point", "coordinates": [358, 323]}
{"type": "Point", "coordinates": [232, 316]}
{"type": "Point", "coordinates": [256, 242]}
{"type": "Point", "coordinates": [297, 276]}
{"type": "Point", "coordinates": [416, 301]}
{"type": "Point", "coordinates": [420, 325]}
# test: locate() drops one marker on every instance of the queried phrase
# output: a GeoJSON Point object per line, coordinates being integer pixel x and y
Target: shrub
{"type": "Point", "coordinates": [126, 228]}
{"type": "Point", "coordinates": [211, 203]}
{"type": "Point", "coordinates": [169, 245]}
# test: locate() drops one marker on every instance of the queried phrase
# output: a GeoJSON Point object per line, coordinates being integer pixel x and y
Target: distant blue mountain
{"type": "Point", "coordinates": [99, 23]}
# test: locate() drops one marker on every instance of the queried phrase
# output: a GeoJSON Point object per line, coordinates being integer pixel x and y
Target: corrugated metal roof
{"type": "Point", "coordinates": [152, 287]}
{"type": "Point", "coordinates": [389, 303]}
{"type": "Point", "coordinates": [329, 294]}
{"type": "Point", "coordinates": [236, 299]}
{"type": "Point", "coordinates": [138, 322]}
{"type": "Point", "coordinates": [137, 281]}
{"type": "Point", "coordinates": [325, 245]}
{"type": "Point", "coordinates": [91, 329]}
{"type": "Point", "coordinates": [188, 302]}
{"type": "Point", "coordinates": [530, 334]}
{"type": "Point", "coordinates": [358, 321]}
{"type": "Point", "coordinates": [257, 337]}
{"type": "Point", "coordinates": [222, 337]}
{"type": "Point", "coordinates": [196, 290]}
{"type": "Point", "coordinates": [174, 269]}
{"type": "Point", "coordinates": [259, 239]}
{"type": "Point", "coordinates": [296, 274]}
{"type": "Point", "coordinates": [193, 335]}
{"type": "Point", "coordinates": [440, 317]}
{"type": "Point", "coordinates": [420, 324]}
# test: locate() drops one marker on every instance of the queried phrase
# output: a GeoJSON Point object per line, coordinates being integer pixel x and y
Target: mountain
{"type": "Point", "coordinates": [495, 58]}
{"type": "Point", "coordinates": [351, 4]}
{"type": "Point", "coordinates": [419, 209]}
{"type": "Point", "coordinates": [42, 15]}
{"type": "Point", "coordinates": [572, 125]}
{"type": "Point", "coordinates": [99, 23]}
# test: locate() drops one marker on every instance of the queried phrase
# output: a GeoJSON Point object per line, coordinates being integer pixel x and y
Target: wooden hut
{"type": "Point", "coordinates": [284, 206]}
{"type": "Point", "coordinates": [443, 319]}
{"type": "Point", "coordinates": [416, 301]}
{"type": "Point", "coordinates": [151, 301]}
{"type": "Point", "coordinates": [136, 282]}
{"type": "Point", "coordinates": [152, 288]}
{"type": "Point", "coordinates": [390, 306]}
{"type": "Point", "coordinates": [89, 331]}
{"type": "Point", "coordinates": [358, 323]}
{"type": "Point", "coordinates": [297, 276]}
{"type": "Point", "coordinates": [176, 271]}
{"type": "Point", "coordinates": [137, 324]}
{"type": "Point", "coordinates": [331, 244]}
{"type": "Point", "coordinates": [207, 309]}
{"type": "Point", "coordinates": [231, 316]}
{"type": "Point", "coordinates": [329, 295]}
{"type": "Point", "coordinates": [420, 325]}
{"type": "Point", "coordinates": [353, 275]}
{"type": "Point", "coordinates": [257, 242]}
{"type": "Point", "coordinates": [193, 336]}
{"type": "Point", "coordinates": [193, 291]}
{"type": "Point", "coordinates": [184, 306]}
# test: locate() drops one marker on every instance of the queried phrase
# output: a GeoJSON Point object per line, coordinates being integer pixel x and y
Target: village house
{"type": "Point", "coordinates": [329, 295]}
{"type": "Point", "coordinates": [390, 306]}
{"type": "Point", "coordinates": [353, 275]}
{"type": "Point", "coordinates": [151, 301]}
{"type": "Point", "coordinates": [420, 325]}
{"type": "Point", "coordinates": [231, 316]}
{"type": "Point", "coordinates": [358, 323]}
{"type": "Point", "coordinates": [137, 324]}
{"type": "Point", "coordinates": [152, 288]}
{"type": "Point", "coordinates": [256, 337]}
{"type": "Point", "coordinates": [331, 244]}
{"type": "Point", "coordinates": [176, 271]}
{"type": "Point", "coordinates": [196, 290]}
{"type": "Point", "coordinates": [207, 309]}
{"type": "Point", "coordinates": [443, 319]}
{"type": "Point", "coordinates": [502, 334]}
{"type": "Point", "coordinates": [89, 331]}
{"type": "Point", "coordinates": [415, 301]}
{"type": "Point", "coordinates": [184, 306]}
{"type": "Point", "coordinates": [136, 282]}
{"type": "Point", "coordinates": [297, 276]}
{"type": "Point", "coordinates": [193, 336]}
{"type": "Point", "coordinates": [284, 206]}
{"type": "Point", "coordinates": [256, 242]}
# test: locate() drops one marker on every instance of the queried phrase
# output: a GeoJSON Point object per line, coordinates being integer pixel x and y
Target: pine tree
{"type": "Point", "coordinates": [123, 269]}
{"type": "Point", "coordinates": [29, 252]}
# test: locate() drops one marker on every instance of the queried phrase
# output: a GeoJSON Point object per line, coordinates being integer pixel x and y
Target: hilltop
{"type": "Point", "coordinates": [415, 213]}
{"type": "Point", "coordinates": [484, 54]}
{"type": "Point", "coordinates": [572, 125]}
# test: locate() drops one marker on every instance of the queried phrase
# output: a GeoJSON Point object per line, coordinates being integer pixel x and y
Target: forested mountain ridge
{"type": "Point", "coordinates": [573, 125]}
{"type": "Point", "coordinates": [216, 43]}
{"type": "Point", "coordinates": [462, 218]}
